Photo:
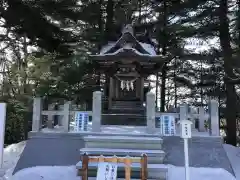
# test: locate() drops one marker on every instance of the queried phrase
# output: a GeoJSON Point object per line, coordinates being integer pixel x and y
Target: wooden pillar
{"type": "Point", "coordinates": [117, 88]}
{"type": "Point", "coordinates": [141, 89]}
{"type": "Point", "coordinates": [110, 93]}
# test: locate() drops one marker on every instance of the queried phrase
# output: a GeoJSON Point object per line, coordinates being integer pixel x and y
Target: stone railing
{"type": "Point", "coordinates": [212, 116]}
{"type": "Point", "coordinates": [65, 114]}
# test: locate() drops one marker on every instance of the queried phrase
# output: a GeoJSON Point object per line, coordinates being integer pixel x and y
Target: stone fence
{"type": "Point", "coordinates": [67, 111]}
{"type": "Point", "coordinates": [211, 118]}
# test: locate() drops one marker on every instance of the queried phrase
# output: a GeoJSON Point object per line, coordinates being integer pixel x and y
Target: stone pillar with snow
{"type": "Point", "coordinates": [96, 111]}
{"type": "Point", "coordinates": [213, 118]}
{"type": "Point", "coordinates": [150, 112]}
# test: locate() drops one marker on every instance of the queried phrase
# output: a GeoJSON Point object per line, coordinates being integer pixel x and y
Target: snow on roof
{"type": "Point", "coordinates": [107, 47]}
{"type": "Point", "coordinates": [132, 49]}
{"type": "Point", "coordinates": [149, 48]}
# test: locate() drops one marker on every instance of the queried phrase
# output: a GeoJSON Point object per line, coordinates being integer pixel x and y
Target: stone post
{"type": "Point", "coordinates": [37, 114]}
{"type": "Point", "coordinates": [96, 111]}
{"type": "Point", "coordinates": [50, 124]}
{"type": "Point", "coordinates": [151, 112]}
{"type": "Point", "coordinates": [66, 116]}
{"type": "Point", "coordinates": [60, 118]}
{"type": "Point", "coordinates": [201, 119]}
{"type": "Point", "coordinates": [183, 114]}
{"type": "Point", "coordinates": [214, 118]}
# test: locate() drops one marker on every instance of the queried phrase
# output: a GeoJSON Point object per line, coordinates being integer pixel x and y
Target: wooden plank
{"type": "Point", "coordinates": [112, 159]}
{"type": "Point", "coordinates": [126, 160]}
{"type": "Point", "coordinates": [85, 167]}
{"type": "Point", "coordinates": [144, 167]}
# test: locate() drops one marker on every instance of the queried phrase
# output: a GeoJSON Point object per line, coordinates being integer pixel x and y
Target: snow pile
{"type": "Point", "coordinates": [69, 173]}
{"type": "Point", "coordinates": [233, 154]}
{"type": "Point", "coordinates": [200, 174]}
{"type": "Point", "coordinates": [11, 156]}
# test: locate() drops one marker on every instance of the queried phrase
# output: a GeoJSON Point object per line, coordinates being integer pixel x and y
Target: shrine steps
{"type": "Point", "coordinates": [127, 107]}
{"type": "Point", "coordinates": [133, 146]}
{"type": "Point", "coordinates": [123, 142]}
{"type": "Point", "coordinates": [121, 118]}
{"type": "Point", "coordinates": [155, 171]}
{"type": "Point", "coordinates": [154, 156]}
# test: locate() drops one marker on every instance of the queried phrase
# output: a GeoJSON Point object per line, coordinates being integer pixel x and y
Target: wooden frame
{"type": "Point", "coordinates": [126, 160]}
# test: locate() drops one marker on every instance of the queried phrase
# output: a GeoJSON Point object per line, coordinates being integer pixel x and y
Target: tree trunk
{"type": "Point", "coordinates": [231, 100]}
{"type": "Point", "coordinates": [164, 68]}
{"type": "Point", "coordinates": [163, 88]}
{"type": "Point", "coordinates": [109, 19]}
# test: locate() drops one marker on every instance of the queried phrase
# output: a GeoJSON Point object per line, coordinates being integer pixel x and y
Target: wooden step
{"type": "Point", "coordinates": [123, 142]}
{"type": "Point", "coordinates": [154, 156]}
{"type": "Point", "coordinates": [155, 171]}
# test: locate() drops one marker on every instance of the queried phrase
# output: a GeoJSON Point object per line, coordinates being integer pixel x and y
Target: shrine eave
{"type": "Point", "coordinates": [127, 54]}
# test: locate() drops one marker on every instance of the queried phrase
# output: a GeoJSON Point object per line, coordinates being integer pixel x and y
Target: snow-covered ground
{"type": "Point", "coordinates": [13, 152]}
{"type": "Point", "coordinates": [11, 156]}
{"type": "Point", "coordinates": [69, 173]}
{"type": "Point", "coordinates": [122, 130]}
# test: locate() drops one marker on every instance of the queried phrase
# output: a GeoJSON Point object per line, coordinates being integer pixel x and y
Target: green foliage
{"type": "Point", "coordinates": [16, 123]}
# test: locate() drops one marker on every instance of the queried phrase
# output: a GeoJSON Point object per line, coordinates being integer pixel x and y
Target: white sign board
{"type": "Point", "coordinates": [167, 125]}
{"type": "Point", "coordinates": [107, 171]}
{"type": "Point", "coordinates": [81, 121]}
{"type": "Point", "coordinates": [186, 129]}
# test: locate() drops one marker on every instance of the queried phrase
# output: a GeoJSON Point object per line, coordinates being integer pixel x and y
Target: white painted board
{"type": "Point", "coordinates": [107, 171]}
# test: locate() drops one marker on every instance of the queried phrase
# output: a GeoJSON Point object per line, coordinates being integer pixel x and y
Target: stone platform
{"type": "Point", "coordinates": [123, 142]}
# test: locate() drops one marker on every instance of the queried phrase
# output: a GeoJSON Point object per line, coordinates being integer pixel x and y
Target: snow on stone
{"type": "Point", "coordinates": [117, 129]}
{"type": "Point", "coordinates": [70, 173]}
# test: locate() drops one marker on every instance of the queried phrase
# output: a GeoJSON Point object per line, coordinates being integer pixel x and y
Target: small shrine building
{"type": "Point", "coordinates": [127, 63]}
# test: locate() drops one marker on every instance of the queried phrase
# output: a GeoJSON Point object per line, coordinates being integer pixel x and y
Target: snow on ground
{"type": "Point", "coordinates": [11, 156]}
{"type": "Point", "coordinates": [200, 174]}
{"type": "Point", "coordinates": [233, 154]}
{"type": "Point", "coordinates": [13, 152]}
{"type": "Point", "coordinates": [122, 130]}
{"type": "Point", "coordinates": [69, 173]}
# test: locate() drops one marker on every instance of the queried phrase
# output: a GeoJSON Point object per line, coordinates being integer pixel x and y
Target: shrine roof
{"type": "Point", "coordinates": [128, 53]}
{"type": "Point", "coordinates": [126, 43]}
